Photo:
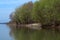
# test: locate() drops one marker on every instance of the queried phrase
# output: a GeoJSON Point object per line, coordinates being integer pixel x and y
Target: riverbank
{"type": "Point", "coordinates": [30, 13]}
{"type": "Point", "coordinates": [35, 26]}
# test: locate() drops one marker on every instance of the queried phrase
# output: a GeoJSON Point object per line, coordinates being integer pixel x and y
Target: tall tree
{"type": "Point", "coordinates": [23, 13]}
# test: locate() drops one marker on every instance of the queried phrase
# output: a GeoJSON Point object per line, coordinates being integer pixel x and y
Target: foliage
{"type": "Point", "coordinates": [42, 11]}
{"type": "Point", "coordinates": [47, 11]}
{"type": "Point", "coordinates": [22, 14]}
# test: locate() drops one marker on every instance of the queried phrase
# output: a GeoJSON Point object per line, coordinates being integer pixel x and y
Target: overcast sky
{"type": "Point", "coordinates": [8, 6]}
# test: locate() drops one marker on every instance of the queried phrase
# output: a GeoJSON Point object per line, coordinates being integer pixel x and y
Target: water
{"type": "Point", "coordinates": [4, 32]}
{"type": "Point", "coordinates": [7, 33]}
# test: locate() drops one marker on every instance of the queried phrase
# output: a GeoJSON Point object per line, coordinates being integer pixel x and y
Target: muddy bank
{"type": "Point", "coordinates": [36, 26]}
{"type": "Point", "coordinates": [30, 26]}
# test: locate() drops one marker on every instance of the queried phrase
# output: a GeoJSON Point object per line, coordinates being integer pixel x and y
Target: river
{"type": "Point", "coordinates": [4, 32]}
{"type": "Point", "coordinates": [7, 33]}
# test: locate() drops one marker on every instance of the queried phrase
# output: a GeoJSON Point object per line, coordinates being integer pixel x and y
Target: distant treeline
{"type": "Point", "coordinates": [42, 11]}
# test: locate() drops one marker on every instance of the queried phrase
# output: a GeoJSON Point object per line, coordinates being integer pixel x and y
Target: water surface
{"type": "Point", "coordinates": [7, 33]}
{"type": "Point", "coordinates": [4, 32]}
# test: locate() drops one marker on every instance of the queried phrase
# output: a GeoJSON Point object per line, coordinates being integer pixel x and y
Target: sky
{"type": "Point", "coordinates": [8, 6]}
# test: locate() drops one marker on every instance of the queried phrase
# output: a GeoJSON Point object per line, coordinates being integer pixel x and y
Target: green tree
{"type": "Point", "coordinates": [42, 11]}
{"type": "Point", "coordinates": [23, 13]}
{"type": "Point", "coordinates": [46, 11]}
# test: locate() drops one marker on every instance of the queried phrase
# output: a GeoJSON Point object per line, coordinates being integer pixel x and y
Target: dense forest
{"type": "Point", "coordinates": [46, 12]}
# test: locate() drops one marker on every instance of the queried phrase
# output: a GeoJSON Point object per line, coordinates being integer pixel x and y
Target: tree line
{"type": "Point", "coordinates": [42, 11]}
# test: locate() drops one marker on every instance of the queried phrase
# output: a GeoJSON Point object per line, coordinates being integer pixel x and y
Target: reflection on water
{"type": "Point", "coordinates": [27, 34]}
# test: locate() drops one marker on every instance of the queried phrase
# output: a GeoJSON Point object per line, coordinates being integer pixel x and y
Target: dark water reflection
{"type": "Point", "coordinates": [27, 34]}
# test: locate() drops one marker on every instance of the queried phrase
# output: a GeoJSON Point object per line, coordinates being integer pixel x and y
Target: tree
{"type": "Point", "coordinates": [46, 11]}
{"type": "Point", "coordinates": [22, 14]}
{"type": "Point", "coordinates": [42, 11]}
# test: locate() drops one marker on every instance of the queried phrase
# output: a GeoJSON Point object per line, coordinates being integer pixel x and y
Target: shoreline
{"type": "Point", "coordinates": [36, 26]}
{"type": "Point", "coordinates": [31, 26]}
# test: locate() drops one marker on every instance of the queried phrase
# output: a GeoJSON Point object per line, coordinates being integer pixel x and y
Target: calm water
{"type": "Point", "coordinates": [7, 33]}
{"type": "Point", "coordinates": [4, 32]}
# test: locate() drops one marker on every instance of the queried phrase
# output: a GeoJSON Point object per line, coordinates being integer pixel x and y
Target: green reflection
{"type": "Point", "coordinates": [29, 34]}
